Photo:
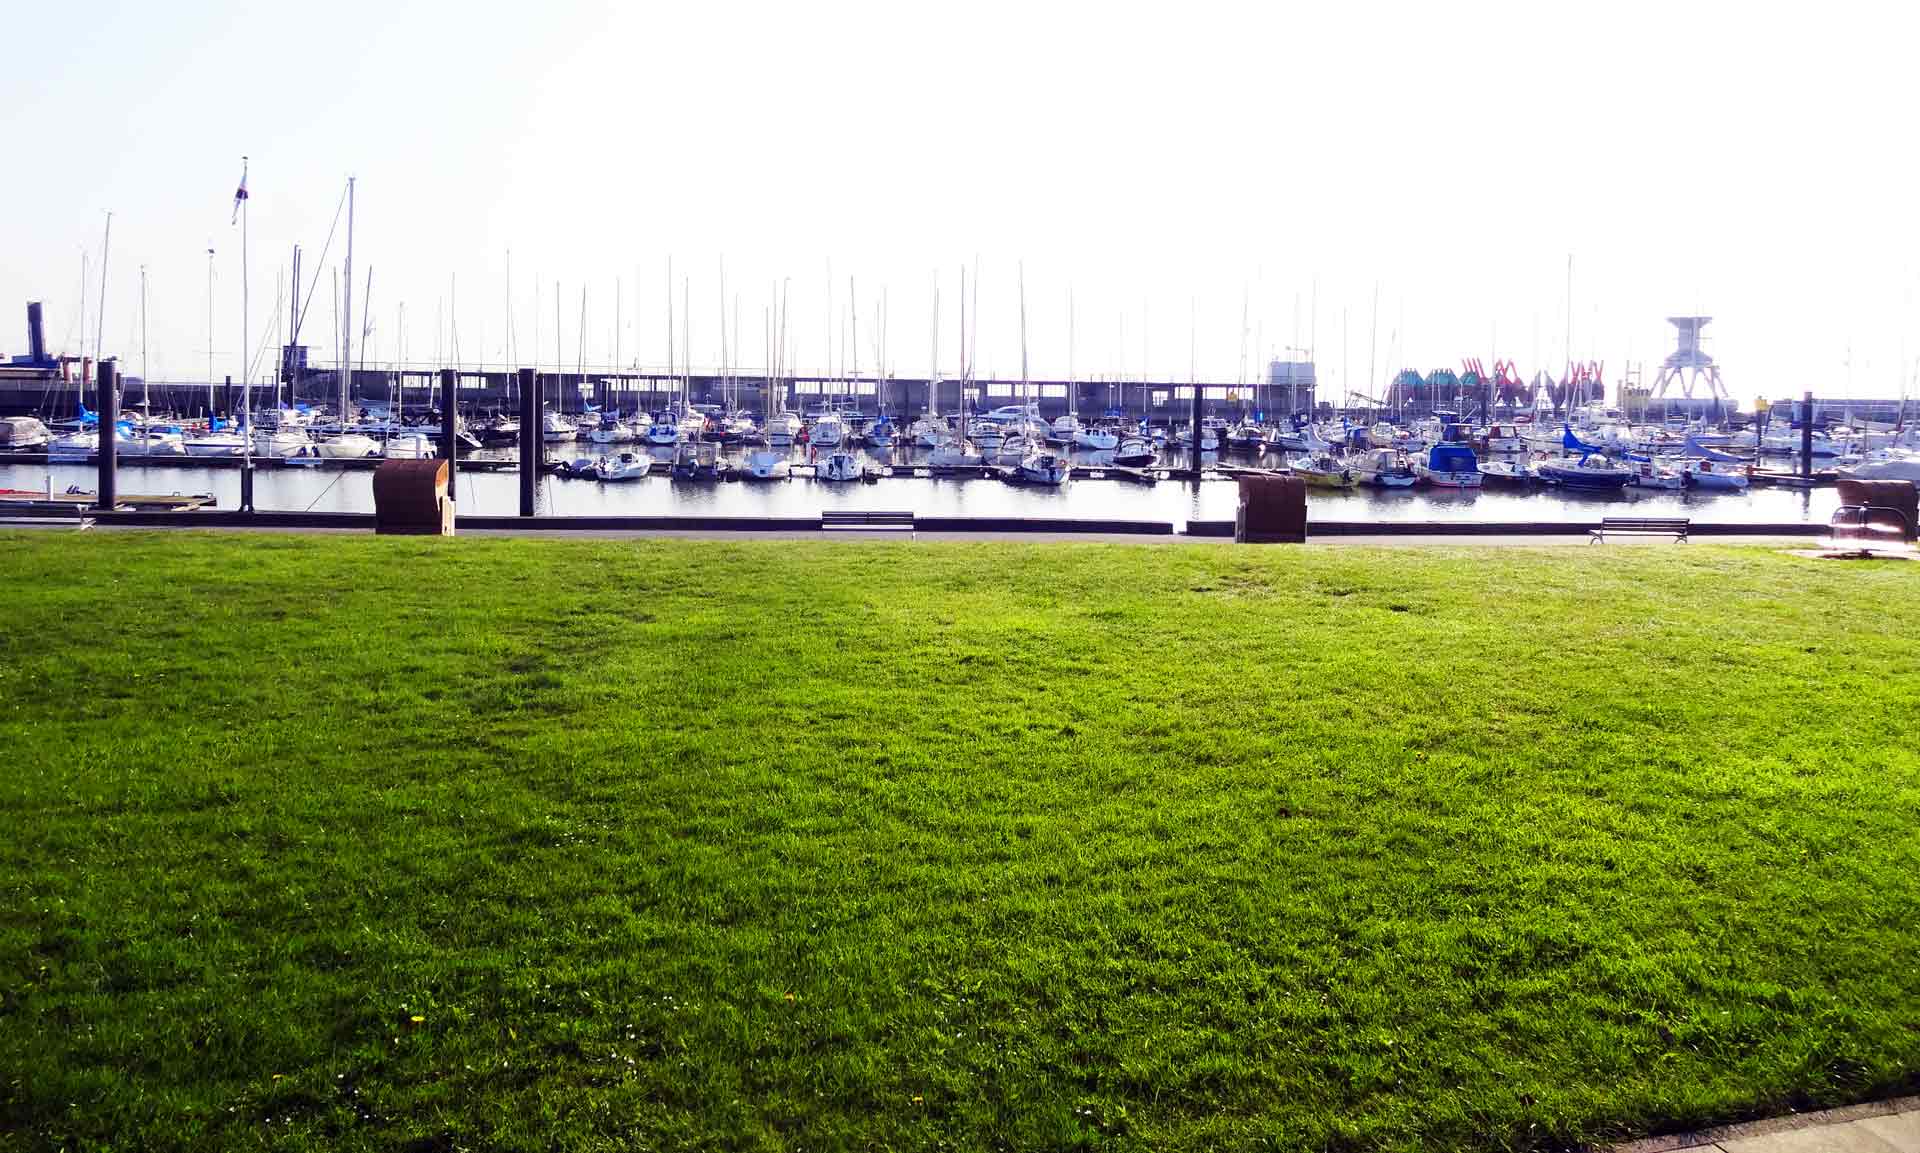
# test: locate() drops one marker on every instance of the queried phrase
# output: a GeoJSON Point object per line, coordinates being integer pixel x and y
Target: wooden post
{"type": "Point", "coordinates": [530, 441]}
{"type": "Point", "coordinates": [109, 402]}
{"type": "Point", "coordinates": [449, 417]}
{"type": "Point", "coordinates": [1806, 435]}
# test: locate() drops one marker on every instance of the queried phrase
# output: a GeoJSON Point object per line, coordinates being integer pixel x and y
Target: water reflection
{"type": "Point", "coordinates": [660, 494]}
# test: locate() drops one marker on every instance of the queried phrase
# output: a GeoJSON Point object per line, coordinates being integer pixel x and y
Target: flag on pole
{"type": "Point", "coordinates": [240, 193]}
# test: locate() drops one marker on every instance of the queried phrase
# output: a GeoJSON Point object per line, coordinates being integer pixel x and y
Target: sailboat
{"type": "Point", "coordinates": [348, 444]}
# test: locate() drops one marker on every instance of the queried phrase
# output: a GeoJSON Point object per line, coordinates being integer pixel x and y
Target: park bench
{"type": "Point", "coordinates": [866, 521]}
{"type": "Point", "coordinates": [1673, 526]}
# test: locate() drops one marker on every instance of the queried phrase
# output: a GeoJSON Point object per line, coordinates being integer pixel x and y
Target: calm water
{"type": "Point", "coordinates": [335, 490]}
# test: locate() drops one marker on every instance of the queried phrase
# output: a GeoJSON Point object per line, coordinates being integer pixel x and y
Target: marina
{"type": "Point", "coordinates": [488, 485]}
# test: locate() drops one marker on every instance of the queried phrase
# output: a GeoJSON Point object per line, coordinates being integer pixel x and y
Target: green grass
{"type": "Point", "coordinates": [356, 843]}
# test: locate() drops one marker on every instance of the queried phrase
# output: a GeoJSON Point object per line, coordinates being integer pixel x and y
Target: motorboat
{"type": "Point", "coordinates": [611, 430]}
{"type": "Point", "coordinates": [1590, 472]}
{"type": "Point", "coordinates": [349, 446]}
{"type": "Point", "coordinates": [692, 426]}
{"type": "Point", "coordinates": [782, 429]}
{"type": "Point", "coordinates": [1133, 452]}
{"type": "Point", "coordinates": [410, 446]}
{"type": "Point", "coordinates": [73, 445]}
{"type": "Point", "coordinates": [987, 434]}
{"type": "Point", "coordinates": [287, 440]}
{"type": "Point", "coordinates": [830, 431]}
{"type": "Point", "coordinates": [1045, 468]}
{"type": "Point", "coordinates": [1324, 472]}
{"type": "Point", "coordinates": [880, 433]}
{"type": "Point", "coordinates": [739, 429]}
{"type": "Point", "coordinates": [216, 443]}
{"type": "Point", "coordinates": [1704, 473]}
{"type": "Point", "coordinates": [1450, 465]}
{"type": "Point", "coordinates": [929, 431]}
{"type": "Point", "coordinates": [1015, 448]}
{"type": "Point", "coordinates": [149, 440]}
{"type": "Point", "coordinates": [663, 431]}
{"type": "Point", "coordinates": [768, 465]}
{"type": "Point", "coordinates": [501, 430]}
{"type": "Point", "coordinates": [840, 466]}
{"type": "Point", "coordinates": [953, 453]}
{"type": "Point", "coordinates": [1508, 472]}
{"type": "Point", "coordinates": [1209, 440]}
{"type": "Point", "coordinates": [1504, 438]}
{"type": "Point", "coordinates": [1891, 467]}
{"type": "Point", "coordinates": [1653, 474]}
{"type": "Point", "coordinates": [557, 429]}
{"type": "Point", "coordinates": [1246, 437]}
{"type": "Point", "coordinates": [1096, 439]}
{"type": "Point", "coordinates": [1064, 429]}
{"type": "Point", "coordinates": [1385, 468]}
{"type": "Point", "coordinates": [626, 466]}
{"type": "Point", "coordinates": [21, 434]}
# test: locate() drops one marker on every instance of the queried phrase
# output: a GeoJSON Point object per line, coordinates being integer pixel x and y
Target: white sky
{"type": "Point", "coordinates": [1750, 161]}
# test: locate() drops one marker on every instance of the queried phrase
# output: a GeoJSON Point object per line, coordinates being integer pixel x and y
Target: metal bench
{"type": "Point", "coordinates": [1675, 527]}
{"type": "Point", "coordinates": [867, 521]}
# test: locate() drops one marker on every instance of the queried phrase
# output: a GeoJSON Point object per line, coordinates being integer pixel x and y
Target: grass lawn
{"type": "Point", "coordinates": [355, 843]}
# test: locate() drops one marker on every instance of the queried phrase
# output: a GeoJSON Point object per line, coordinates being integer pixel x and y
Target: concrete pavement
{"type": "Point", "coordinates": [1877, 1127]}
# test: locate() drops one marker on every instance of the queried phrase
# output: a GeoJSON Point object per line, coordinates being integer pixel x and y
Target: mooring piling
{"type": "Point", "coordinates": [449, 418]}
{"type": "Point", "coordinates": [109, 401]}
{"type": "Point", "coordinates": [529, 441]}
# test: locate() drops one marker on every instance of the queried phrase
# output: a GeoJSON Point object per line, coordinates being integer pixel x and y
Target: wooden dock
{"type": "Point", "coordinates": [74, 499]}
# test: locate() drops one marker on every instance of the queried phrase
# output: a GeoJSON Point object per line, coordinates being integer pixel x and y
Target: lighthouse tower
{"type": "Point", "coordinates": [1689, 366]}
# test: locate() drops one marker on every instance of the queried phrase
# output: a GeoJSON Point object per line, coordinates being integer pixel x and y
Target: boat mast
{"type": "Point", "coordinates": [146, 400]}
{"type": "Point", "coordinates": [246, 319]}
{"type": "Point", "coordinates": [100, 315]}
{"type": "Point", "coordinates": [209, 336]}
{"type": "Point", "coordinates": [853, 319]}
{"type": "Point", "coordinates": [670, 325]}
{"type": "Point", "coordinates": [1025, 392]}
{"type": "Point", "coordinates": [346, 329]}
{"type": "Point", "coordinates": [933, 356]}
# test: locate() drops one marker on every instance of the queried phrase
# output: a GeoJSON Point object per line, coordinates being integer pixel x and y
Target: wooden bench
{"type": "Point", "coordinates": [866, 521]}
{"type": "Point", "coordinates": [1675, 527]}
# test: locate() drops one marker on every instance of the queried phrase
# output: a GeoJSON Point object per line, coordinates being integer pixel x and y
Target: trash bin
{"type": "Point", "coordinates": [410, 498]}
{"type": "Point", "coordinates": [1273, 510]}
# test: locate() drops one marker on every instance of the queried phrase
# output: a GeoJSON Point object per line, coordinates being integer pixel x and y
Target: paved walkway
{"type": "Point", "coordinates": [1879, 1127]}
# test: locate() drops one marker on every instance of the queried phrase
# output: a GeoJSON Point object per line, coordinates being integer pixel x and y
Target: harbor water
{"type": "Point", "coordinates": [331, 489]}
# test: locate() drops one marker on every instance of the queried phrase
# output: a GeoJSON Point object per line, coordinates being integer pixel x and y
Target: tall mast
{"type": "Point", "coordinates": [1025, 391]}
{"type": "Point", "coordinates": [82, 394]}
{"type": "Point", "coordinates": [725, 379]}
{"type": "Point", "coordinates": [246, 319]}
{"type": "Point", "coordinates": [293, 333]}
{"type": "Point", "coordinates": [853, 320]}
{"type": "Point", "coordinates": [346, 329]}
{"type": "Point", "coordinates": [669, 320]}
{"type": "Point", "coordinates": [933, 357]}
{"type": "Point", "coordinates": [209, 335]}
{"type": "Point", "coordinates": [146, 400]}
{"type": "Point", "coordinates": [100, 315]}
